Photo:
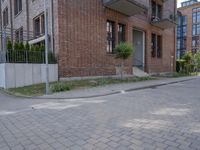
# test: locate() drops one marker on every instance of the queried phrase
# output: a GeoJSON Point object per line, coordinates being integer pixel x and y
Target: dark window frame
{"type": "Point", "coordinates": [157, 45]}
{"type": "Point", "coordinates": [110, 29]}
{"type": "Point", "coordinates": [121, 32]}
{"type": "Point", "coordinates": [39, 29]}
{"type": "Point", "coordinates": [5, 17]}
{"type": "Point", "coordinates": [156, 10]}
{"type": "Point", "coordinates": [17, 7]}
{"type": "Point", "coordinates": [19, 35]}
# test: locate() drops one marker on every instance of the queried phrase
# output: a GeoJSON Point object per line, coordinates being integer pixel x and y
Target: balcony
{"type": "Point", "coordinates": [164, 23]}
{"type": "Point", "coordinates": [127, 7]}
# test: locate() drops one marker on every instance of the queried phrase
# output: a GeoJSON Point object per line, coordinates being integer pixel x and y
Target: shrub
{"type": "Point", "coordinates": [180, 65]}
{"type": "Point", "coordinates": [197, 61]}
{"type": "Point", "coordinates": [59, 87]}
{"type": "Point", "coordinates": [16, 46]}
{"type": "Point", "coordinates": [21, 46]}
{"type": "Point", "coordinates": [9, 45]}
{"type": "Point", "coordinates": [188, 57]}
{"type": "Point", "coordinates": [124, 50]}
{"type": "Point", "coordinates": [51, 58]}
{"type": "Point", "coordinates": [27, 46]}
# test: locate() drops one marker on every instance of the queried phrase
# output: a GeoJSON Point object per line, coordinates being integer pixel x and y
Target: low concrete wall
{"type": "Point", "coordinates": [20, 75]}
{"type": "Point", "coordinates": [2, 75]}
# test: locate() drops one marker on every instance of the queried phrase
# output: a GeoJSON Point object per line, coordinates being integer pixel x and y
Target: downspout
{"type": "Point", "coordinates": [11, 21]}
{"type": "Point", "coordinates": [27, 19]}
{"type": "Point", "coordinates": [175, 15]}
{"type": "Point", "coordinates": [52, 28]}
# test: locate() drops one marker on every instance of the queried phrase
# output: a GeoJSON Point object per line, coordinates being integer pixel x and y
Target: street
{"type": "Point", "coordinates": [161, 118]}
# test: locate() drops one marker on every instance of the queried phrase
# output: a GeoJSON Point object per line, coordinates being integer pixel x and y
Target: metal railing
{"type": "Point", "coordinates": [25, 56]}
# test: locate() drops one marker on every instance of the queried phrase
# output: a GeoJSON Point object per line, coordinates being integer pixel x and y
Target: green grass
{"type": "Point", "coordinates": [39, 89]}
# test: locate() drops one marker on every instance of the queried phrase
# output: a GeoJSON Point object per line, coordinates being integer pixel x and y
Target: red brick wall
{"type": "Point", "coordinates": [82, 39]}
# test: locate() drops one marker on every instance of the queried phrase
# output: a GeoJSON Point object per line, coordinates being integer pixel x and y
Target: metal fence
{"type": "Point", "coordinates": [25, 56]}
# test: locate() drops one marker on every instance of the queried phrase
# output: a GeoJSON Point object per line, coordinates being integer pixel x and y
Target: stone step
{"type": "Point", "coordinates": [139, 73]}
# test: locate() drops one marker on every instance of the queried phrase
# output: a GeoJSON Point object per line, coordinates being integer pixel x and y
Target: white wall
{"type": "Point", "coordinates": [20, 75]}
{"type": "Point", "coordinates": [2, 75]}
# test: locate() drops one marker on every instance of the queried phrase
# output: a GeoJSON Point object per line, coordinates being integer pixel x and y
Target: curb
{"type": "Point", "coordinates": [118, 92]}
{"type": "Point", "coordinates": [101, 95]}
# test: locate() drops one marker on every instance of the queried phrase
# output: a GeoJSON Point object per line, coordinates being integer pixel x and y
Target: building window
{"type": "Point", "coordinates": [17, 6]}
{"type": "Point", "coordinates": [110, 36]}
{"type": "Point", "coordinates": [156, 11]}
{"type": "Point", "coordinates": [5, 17]}
{"type": "Point", "coordinates": [39, 26]}
{"type": "Point", "coordinates": [156, 45]}
{"type": "Point", "coordinates": [19, 35]}
{"type": "Point", "coordinates": [121, 33]}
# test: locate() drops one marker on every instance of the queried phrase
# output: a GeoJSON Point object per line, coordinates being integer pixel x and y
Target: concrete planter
{"type": "Point", "coordinates": [20, 75]}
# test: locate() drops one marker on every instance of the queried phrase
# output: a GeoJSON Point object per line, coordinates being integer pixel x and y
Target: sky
{"type": "Point", "coordinates": [179, 2]}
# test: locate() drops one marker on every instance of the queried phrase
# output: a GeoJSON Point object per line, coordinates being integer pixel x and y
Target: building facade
{"type": "Point", "coordinates": [23, 21]}
{"type": "Point", "coordinates": [84, 33]}
{"type": "Point", "coordinates": [188, 30]}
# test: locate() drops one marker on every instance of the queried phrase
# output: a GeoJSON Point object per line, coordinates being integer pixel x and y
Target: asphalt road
{"type": "Point", "coordinates": [166, 117]}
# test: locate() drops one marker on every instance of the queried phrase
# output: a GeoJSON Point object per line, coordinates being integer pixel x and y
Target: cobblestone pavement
{"type": "Point", "coordinates": [162, 118]}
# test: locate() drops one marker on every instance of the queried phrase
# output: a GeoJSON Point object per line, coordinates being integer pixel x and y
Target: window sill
{"type": "Point", "coordinates": [110, 54]}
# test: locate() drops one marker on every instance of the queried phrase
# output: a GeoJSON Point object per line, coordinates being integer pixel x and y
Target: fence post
{"type": "Point", "coordinates": [26, 56]}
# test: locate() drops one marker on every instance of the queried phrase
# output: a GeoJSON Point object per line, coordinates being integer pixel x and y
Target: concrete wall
{"type": "Point", "coordinates": [20, 75]}
{"type": "Point", "coordinates": [2, 75]}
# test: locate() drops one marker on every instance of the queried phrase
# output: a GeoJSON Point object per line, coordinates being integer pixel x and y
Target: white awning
{"type": "Point", "coordinates": [35, 41]}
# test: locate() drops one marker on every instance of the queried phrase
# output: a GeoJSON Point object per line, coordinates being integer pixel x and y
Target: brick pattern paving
{"type": "Point", "coordinates": [166, 118]}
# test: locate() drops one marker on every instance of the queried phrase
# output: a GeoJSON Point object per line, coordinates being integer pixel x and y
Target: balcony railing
{"type": "Point", "coordinates": [164, 22]}
{"type": "Point", "coordinates": [127, 7]}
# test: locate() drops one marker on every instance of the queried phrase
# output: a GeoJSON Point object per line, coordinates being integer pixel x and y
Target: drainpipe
{"type": "Point", "coordinates": [11, 21]}
{"type": "Point", "coordinates": [27, 19]}
{"type": "Point", "coordinates": [174, 60]}
{"type": "Point", "coordinates": [52, 27]}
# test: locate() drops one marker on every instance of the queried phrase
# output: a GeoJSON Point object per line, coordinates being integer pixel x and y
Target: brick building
{"type": "Point", "coordinates": [83, 33]}
{"type": "Point", "coordinates": [188, 30]}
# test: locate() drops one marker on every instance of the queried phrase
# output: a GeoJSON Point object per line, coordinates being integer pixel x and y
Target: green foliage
{"type": "Point", "coordinates": [16, 46]}
{"type": "Point", "coordinates": [188, 57]}
{"type": "Point", "coordinates": [9, 45]}
{"type": "Point", "coordinates": [37, 48]}
{"type": "Point", "coordinates": [26, 53]}
{"type": "Point", "coordinates": [51, 58]}
{"type": "Point", "coordinates": [124, 50]}
{"type": "Point", "coordinates": [186, 64]}
{"type": "Point", "coordinates": [42, 47]}
{"type": "Point", "coordinates": [197, 61]}
{"type": "Point", "coordinates": [180, 65]}
{"type": "Point", "coordinates": [21, 46]}
{"type": "Point", "coordinates": [59, 87]}
{"type": "Point", "coordinates": [27, 46]}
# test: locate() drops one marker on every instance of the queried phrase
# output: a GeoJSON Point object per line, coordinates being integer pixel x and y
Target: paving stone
{"type": "Point", "coordinates": [164, 118]}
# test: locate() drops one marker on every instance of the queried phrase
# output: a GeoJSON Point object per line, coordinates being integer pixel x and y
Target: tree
{"type": "Point", "coordinates": [197, 61]}
{"type": "Point", "coordinates": [123, 51]}
{"type": "Point", "coordinates": [9, 45]}
{"type": "Point", "coordinates": [21, 46]}
{"type": "Point", "coordinates": [16, 46]}
{"type": "Point", "coordinates": [189, 62]}
{"type": "Point", "coordinates": [27, 46]}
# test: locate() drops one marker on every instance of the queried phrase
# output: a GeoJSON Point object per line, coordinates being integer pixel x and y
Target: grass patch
{"type": "Point", "coordinates": [39, 89]}
{"type": "Point", "coordinates": [176, 75]}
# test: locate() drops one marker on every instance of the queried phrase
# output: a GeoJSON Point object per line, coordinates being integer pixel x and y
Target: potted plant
{"type": "Point", "coordinates": [123, 51]}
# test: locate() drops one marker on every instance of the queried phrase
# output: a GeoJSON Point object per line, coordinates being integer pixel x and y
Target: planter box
{"type": "Point", "coordinates": [20, 75]}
